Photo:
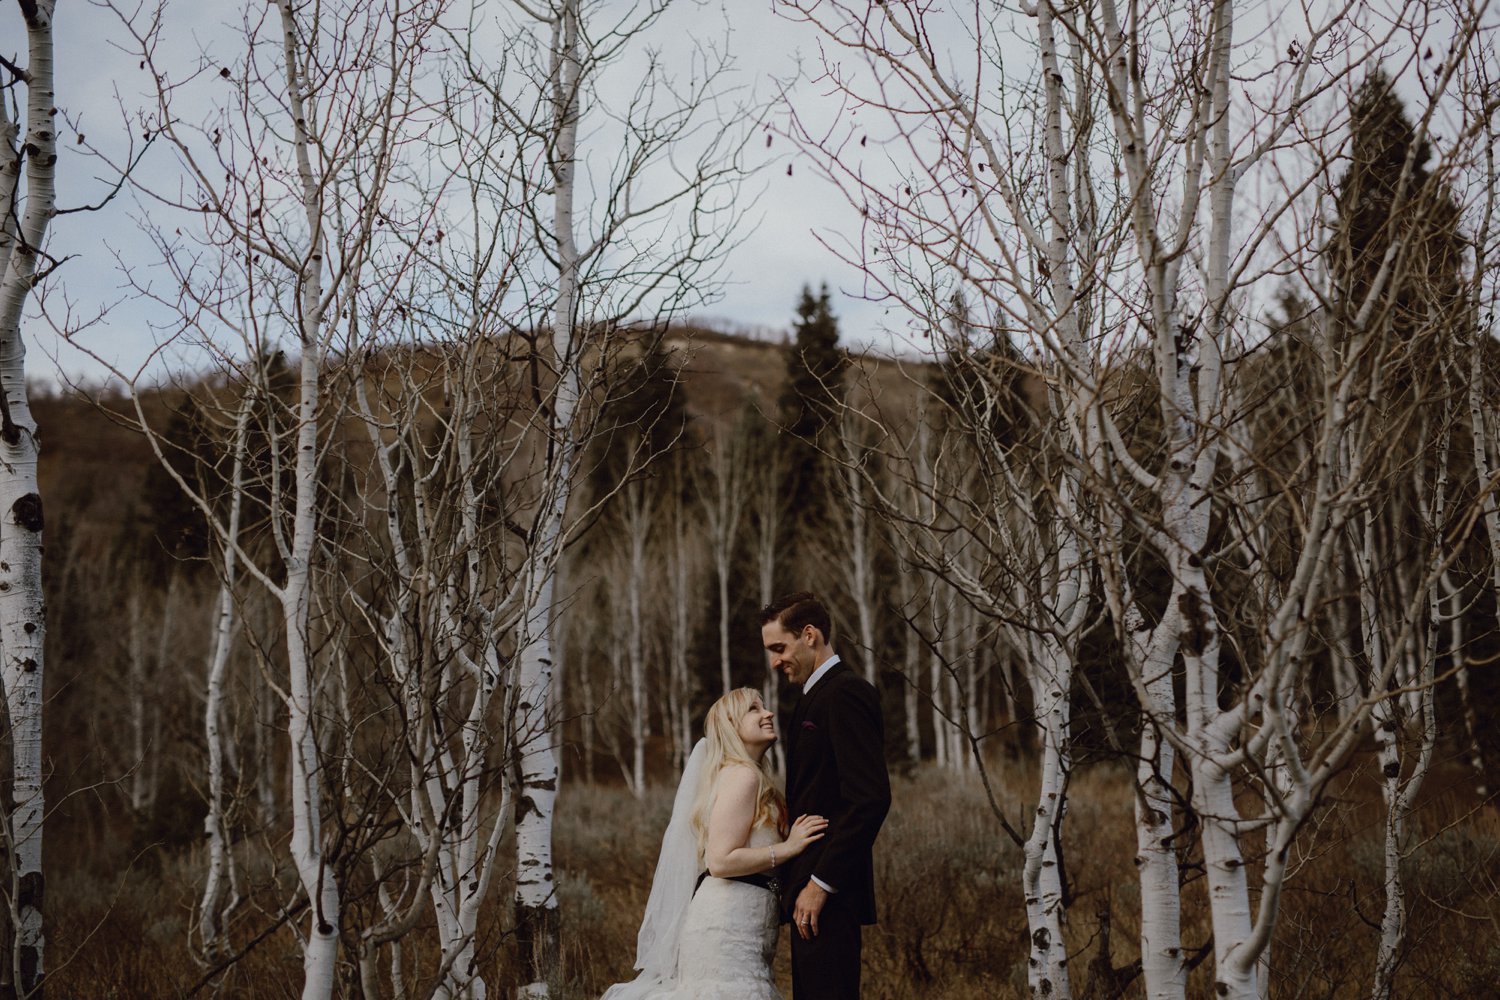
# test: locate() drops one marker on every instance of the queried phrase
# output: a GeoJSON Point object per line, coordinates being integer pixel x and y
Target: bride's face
{"type": "Point", "coordinates": [757, 727]}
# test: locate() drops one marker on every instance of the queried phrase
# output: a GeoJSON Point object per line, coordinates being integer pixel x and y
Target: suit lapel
{"type": "Point", "coordinates": [804, 707]}
{"type": "Point", "coordinates": [799, 711]}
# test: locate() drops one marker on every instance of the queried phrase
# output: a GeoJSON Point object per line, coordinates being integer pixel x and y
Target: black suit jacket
{"type": "Point", "coordinates": [836, 768]}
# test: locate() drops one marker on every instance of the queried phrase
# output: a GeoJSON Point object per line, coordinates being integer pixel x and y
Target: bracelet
{"type": "Point", "coordinates": [773, 857]}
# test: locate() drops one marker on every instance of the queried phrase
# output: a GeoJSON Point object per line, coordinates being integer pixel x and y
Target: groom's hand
{"type": "Point", "coordinates": [809, 905]}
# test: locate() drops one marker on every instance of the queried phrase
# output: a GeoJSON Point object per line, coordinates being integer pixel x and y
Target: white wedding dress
{"type": "Point", "coordinates": [729, 939]}
{"type": "Point", "coordinates": [712, 943]}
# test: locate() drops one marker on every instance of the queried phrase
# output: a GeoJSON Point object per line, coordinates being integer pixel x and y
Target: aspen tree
{"type": "Point", "coordinates": [588, 281]}
{"type": "Point", "coordinates": [291, 179]}
{"type": "Point", "coordinates": [28, 173]}
{"type": "Point", "coordinates": [722, 487]}
{"type": "Point", "coordinates": [1121, 196]}
{"type": "Point", "coordinates": [210, 918]}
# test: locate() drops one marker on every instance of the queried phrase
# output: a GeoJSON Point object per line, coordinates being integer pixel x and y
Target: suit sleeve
{"type": "Point", "coordinates": [856, 735]}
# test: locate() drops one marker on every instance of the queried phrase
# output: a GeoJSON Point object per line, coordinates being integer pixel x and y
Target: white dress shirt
{"type": "Point", "coordinates": [823, 668]}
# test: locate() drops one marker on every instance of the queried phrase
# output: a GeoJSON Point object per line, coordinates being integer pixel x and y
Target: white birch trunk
{"type": "Point", "coordinates": [767, 507]}
{"type": "Point", "coordinates": [721, 570]}
{"type": "Point", "coordinates": [638, 513]}
{"type": "Point", "coordinates": [320, 945]}
{"type": "Point", "coordinates": [911, 660]}
{"type": "Point", "coordinates": [1162, 967]}
{"type": "Point", "coordinates": [536, 915]}
{"type": "Point", "coordinates": [721, 492]}
{"type": "Point", "coordinates": [212, 933]}
{"type": "Point", "coordinates": [1482, 426]}
{"type": "Point", "coordinates": [680, 725]}
{"type": "Point", "coordinates": [1189, 372]}
{"type": "Point", "coordinates": [1051, 681]}
{"type": "Point", "coordinates": [467, 854]}
{"type": "Point", "coordinates": [1050, 672]}
{"type": "Point", "coordinates": [958, 750]}
{"type": "Point", "coordinates": [1400, 784]}
{"type": "Point", "coordinates": [617, 655]}
{"type": "Point", "coordinates": [938, 691]}
{"type": "Point", "coordinates": [1393, 918]}
{"type": "Point", "coordinates": [1386, 716]}
{"type": "Point", "coordinates": [536, 898]}
{"type": "Point", "coordinates": [23, 230]}
{"type": "Point", "coordinates": [305, 766]}
{"type": "Point", "coordinates": [268, 777]}
{"type": "Point", "coordinates": [682, 598]}
{"type": "Point", "coordinates": [913, 672]}
{"type": "Point", "coordinates": [1399, 788]}
{"type": "Point", "coordinates": [859, 552]}
{"type": "Point", "coordinates": [1278, 775]}
{"type": "Point", "coordinates": [1228, 889]}
{"type": "Point", "coordinates": [220, 860]}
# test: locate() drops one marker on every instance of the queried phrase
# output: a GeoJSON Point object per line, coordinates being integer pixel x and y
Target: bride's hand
{"type": "Point", "coordinates": [806, 830]}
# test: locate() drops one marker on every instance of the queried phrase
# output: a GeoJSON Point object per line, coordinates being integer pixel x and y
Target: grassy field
{"type": "Point", "coordinates": [952, 925]}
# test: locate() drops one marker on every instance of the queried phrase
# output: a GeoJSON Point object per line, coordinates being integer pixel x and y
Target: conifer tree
{"type": "Point", "coordinates": [982, 382]}
{"type": "Point", "coordinates": [1380, 201]}
{"type": "Point", "coordinates": [645, 422]}
{"type": "Point", "coordinates": [810, 402]}
{"type": "Point", "coordinates": [1397, 267]}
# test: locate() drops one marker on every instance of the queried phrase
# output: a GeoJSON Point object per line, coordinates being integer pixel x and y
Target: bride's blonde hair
{"type": "Point", "coordinates": [725, 747]}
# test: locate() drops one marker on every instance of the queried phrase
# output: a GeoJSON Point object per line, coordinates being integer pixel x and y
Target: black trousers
{"type": "Point", "coordinates": [827, 967]}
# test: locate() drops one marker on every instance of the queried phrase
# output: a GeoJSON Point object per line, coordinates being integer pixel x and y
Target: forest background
{"type": "Point", "coordinates": [376, 634]}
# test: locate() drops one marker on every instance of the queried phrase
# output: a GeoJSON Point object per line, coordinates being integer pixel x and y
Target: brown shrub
{"type": "Point", "coordinates": [952, 925]}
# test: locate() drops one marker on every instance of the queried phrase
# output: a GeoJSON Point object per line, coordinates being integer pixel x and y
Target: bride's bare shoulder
{"type": "Point", "coordinates": [738, 778]}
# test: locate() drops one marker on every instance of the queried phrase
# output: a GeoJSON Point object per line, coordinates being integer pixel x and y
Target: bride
{"type": "Point", "coordinates": [709, 932]}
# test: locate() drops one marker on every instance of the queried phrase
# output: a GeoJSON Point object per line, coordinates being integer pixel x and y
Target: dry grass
{"type": "Point", "coordinates": [952, 924]}
{"type": "Point", "coordinates": [953, 927]}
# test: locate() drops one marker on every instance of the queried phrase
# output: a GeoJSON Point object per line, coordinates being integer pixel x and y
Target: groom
{"type": "Point", "coordinates": [835, 768]}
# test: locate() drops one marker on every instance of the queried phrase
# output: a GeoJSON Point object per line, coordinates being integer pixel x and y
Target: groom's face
{"type": "Point", "coordinates": [791, 654]}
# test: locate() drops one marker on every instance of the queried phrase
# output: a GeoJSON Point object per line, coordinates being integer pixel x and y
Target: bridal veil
{"type": "Point", "coordinates": [671, 891]}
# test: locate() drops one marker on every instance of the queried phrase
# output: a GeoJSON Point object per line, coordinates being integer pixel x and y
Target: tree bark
{"type": "Point", "coordinates": [1047, 963]}
{"type": "Point", "coordinates": [212, 933]}
{"type": "Point", "coordinates": [22, 611]}
{"type": "Point", "coordinates": [320, 948]}
{"type": "Point", "coordinates": [536, 915]}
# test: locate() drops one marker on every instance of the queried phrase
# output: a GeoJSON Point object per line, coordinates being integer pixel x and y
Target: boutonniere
{"type": "Point", "coordinates": [808, 726]}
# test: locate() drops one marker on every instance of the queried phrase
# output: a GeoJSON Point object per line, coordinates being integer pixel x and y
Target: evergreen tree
{"type": "Point", "coordinates": [981, 383]}
{"type": "Point", "coordinates": [644, 421]}
{"type": "Point", "coordinates": [815, 368]}
{"type": "Point", "coordinates": [1398, 272]}
{"type": "Point", "coordinates": [168, 526]}
{"type": "Point", "coordinates": [810, 404]}
{"type": "Point", "coordinates": [1423, 296]}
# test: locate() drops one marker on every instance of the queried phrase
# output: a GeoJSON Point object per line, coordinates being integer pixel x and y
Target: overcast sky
{"type": "Point", "coordinates": [762, 279]}
{"type": "Point", "coordinates": [763, 274]}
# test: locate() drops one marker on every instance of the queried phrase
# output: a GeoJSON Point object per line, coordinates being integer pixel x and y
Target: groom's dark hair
{"type": "Point", "coordinates": [797, 611]}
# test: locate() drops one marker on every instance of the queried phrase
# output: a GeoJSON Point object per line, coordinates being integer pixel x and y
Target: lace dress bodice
{"type": "Point", "coordinates": [729, 938]}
